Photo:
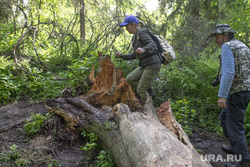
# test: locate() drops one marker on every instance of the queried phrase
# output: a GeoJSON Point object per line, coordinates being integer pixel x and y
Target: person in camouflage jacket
{"type": "Point", "coordinates": [234, 91]}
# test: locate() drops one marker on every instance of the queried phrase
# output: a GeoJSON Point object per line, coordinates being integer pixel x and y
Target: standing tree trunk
{"type": "Point", "coordinates": [82, 20]}
{"type": "Point", "coordinates": [133, 133]}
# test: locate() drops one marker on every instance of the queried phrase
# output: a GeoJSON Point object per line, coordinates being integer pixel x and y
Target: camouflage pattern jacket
{"type": "Point", "coordinates": [241, 52]}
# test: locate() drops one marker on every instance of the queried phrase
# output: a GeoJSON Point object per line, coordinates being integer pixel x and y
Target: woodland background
{"type": "Point", "coordinates": [48, 48]}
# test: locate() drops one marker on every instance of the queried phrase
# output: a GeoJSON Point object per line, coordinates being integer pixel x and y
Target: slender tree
{"type": "Point", "coordinates": [82, 19]}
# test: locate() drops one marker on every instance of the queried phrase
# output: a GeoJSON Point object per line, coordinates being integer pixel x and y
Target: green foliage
{"type": "Point", "coordinates": [62, 51]}
{"type": "Point", "coordinates": [52, 162]}
{"type": "Point", "coordinates": [15, 85]}
{"type": "Point", "coordinates": [14, 155]}
{"type": "Point", "coordinates": [91, 145]}
{"type": "Point", "coordinates": [199, 151]}
{"type": "Point", "coordinates": [56, 57]}
{"type": "Point", "coordinates": [33, 125]}
{"type": "Point", "coordinates": [22, 158]}
{"type": "Point", "coordinates": [192, 114]}
{"type": "Point", "coordinates": [247, 124]}
{"type": "Point", "coordinates": [184, 79]}
{"type": "Point", "coordinates": [238, 18]}
{"type": "Point", "coordinates": [104, 158]}
{"type": "Point", "coordinates": [183, 114]}
{"type": "Point", "coordinates": [61, 58]}
{"type": "Point", "coordinates": [22, 162]}
{"type": "Point", "coordinates": [8, 38]}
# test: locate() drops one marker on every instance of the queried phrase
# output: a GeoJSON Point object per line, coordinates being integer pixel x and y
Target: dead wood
{"type": "Point", "coordinates": [113, 112]}
{"type": "Point", "coordinates": [110, 87]}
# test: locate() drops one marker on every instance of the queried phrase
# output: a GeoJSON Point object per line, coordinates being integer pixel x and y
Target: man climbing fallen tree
{"type": "Point", "coordinates": [132, 132]}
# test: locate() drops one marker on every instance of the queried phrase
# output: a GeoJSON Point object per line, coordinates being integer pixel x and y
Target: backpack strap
{"type": "Point", "coordinates": [159, 49]}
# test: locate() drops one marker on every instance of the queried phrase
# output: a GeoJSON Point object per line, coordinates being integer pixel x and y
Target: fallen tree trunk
{"type": "Point", "coordinates": [133, 133]}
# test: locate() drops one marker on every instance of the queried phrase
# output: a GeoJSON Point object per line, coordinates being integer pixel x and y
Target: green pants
{"type": "Point", "coordinates": [142, 79]}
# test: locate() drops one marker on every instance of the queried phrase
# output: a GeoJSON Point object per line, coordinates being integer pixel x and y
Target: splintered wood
{"type": "Point", "coordinates": [110, 87]}
{"type": "Point", "coordinates": [166, 117]}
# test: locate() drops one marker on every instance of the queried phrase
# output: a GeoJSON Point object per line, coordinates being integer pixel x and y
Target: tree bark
{"type": "Point", "coordinates": [138, 136]}
{"type": "Point", "coordinates": [82, 20]}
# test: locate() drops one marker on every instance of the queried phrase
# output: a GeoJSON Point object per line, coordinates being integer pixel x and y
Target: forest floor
{"type": "Point", "coordinates": [55, 144]}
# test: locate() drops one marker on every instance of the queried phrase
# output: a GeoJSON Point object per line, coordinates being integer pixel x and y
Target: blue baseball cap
{"type": "Point", "coordinates": [129, 19]}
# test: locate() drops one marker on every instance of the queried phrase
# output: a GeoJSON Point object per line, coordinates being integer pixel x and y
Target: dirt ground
{"type": "Point", "coordinates": [56, 145]}
{"type": "Point", "coordinates": [210, 144]}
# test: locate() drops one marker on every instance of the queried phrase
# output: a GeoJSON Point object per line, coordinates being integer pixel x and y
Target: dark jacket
{"type": "Point", "coordinates": [149, 59]}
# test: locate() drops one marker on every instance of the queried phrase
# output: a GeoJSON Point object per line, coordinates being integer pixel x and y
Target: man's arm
{"type": "Point", "coordinates": [227, 64]}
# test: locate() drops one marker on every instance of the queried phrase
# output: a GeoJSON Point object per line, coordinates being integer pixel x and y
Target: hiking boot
{"type": "Point", "coordinates": [151, 92]}
{"type": "Point", "coordinates": [231, 165]}
{"type": "Point", "coordinates": [227, 149]}
{"type": "Point", "coordinates": [243, 163]}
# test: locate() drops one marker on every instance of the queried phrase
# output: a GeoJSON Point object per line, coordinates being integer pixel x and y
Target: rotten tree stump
{"type": "Point", "coordinates": [110, 87]}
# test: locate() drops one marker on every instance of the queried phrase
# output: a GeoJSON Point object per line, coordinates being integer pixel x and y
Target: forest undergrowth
{"type": "Point", "coordinates": [47, 54]}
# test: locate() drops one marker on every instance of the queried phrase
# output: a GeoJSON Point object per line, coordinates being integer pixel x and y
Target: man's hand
{"type": "Point", "coordinates": [222, 102]}
{"type": "Point", "coordinates": [118, 54]}
{"type": "Point", "coordinates": [140, 50]}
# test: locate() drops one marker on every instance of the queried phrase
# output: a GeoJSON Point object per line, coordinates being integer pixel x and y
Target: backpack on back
{"type": "Point", "coordinates": [165, 50]}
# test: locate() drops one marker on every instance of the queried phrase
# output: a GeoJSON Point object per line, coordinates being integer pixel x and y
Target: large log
{"type": "Point", "coordinates": [133, 133]}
